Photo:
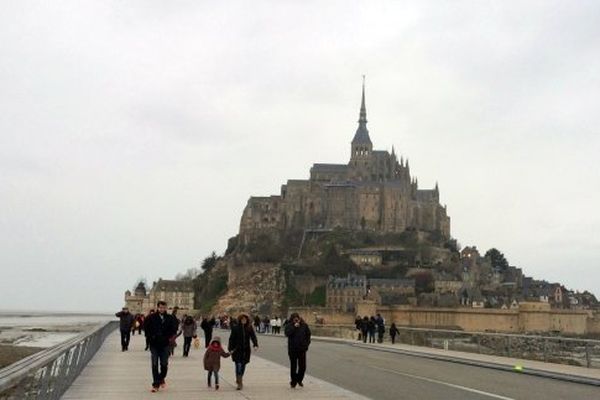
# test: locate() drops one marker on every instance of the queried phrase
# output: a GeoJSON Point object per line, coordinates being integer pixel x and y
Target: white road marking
{"type": "Point", "coordinates": [465, 388]}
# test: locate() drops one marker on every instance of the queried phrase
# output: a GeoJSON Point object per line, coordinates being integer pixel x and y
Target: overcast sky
{"type": "Point", "coordinates": [133, 132]}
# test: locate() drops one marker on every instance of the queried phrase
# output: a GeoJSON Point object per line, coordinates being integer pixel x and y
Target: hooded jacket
{"type": "Point", "coordinates": [212, 356]}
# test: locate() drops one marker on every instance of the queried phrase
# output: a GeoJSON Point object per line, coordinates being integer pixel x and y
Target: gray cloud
{"type": "Point", "coordinates": [132, 133]}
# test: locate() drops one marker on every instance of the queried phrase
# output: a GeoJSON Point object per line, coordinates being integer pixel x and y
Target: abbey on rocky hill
{"type": "Point", "coordinates": [373, 191]}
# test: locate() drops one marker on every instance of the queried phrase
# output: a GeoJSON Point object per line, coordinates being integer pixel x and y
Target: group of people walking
{"type": "Point", "coordinates": [162, 329]}
{"type": "Point", "coordinates": [370, 328]}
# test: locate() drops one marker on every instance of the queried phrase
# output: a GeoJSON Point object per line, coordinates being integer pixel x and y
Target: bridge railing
{"type": "Point", "coordinates": [49, 373]}
{"type": "Point", "coordinates": [555, 349]}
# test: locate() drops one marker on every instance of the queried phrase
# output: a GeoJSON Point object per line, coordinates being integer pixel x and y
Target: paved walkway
{"type": "Point", "coordinates": [113, 374]}
{"type": "Point", "coordinates": [483, 359]}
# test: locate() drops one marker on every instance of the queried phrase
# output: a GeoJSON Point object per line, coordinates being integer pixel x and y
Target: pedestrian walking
{"type": "Point", "coordinates": [298, 334]}
{"type": "Point", "coordinates": [139, 323]}
{"type": "Point", "coordinates": [239, 346]}
{"type": "Point", "coordinates": [257, 323]}
{"type": "Point", "coordinates": [147, 338]}
{"type": "Point", "coordinates": [380, 328]}
{"type": "Point", "coordinates": [125, 325]}
{"type": "Point", "coordinates": [393, 332]}
{"type": "Point", "coordinates": [189, 330]}
{"type": "Point", "coordinates": [212, 360]}
{"type": "Point", "coordinates": [207, 326]}
{"type": "Point", "coordinates": [278, 323]}
{"type": "Point", "coordinates": [160, 327]}
{"type": "Point", "coordinates": [173, 338]}
{"type": "Point", "coordinates": [358, 324]}
{"type": "Point", "coordinates": [372, 328]}
{"type": "Point", "coordinates": [364, 328]}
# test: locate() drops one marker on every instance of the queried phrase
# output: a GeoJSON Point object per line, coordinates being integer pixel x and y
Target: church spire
{"type": "Point", "coordinates": [361, 137]}
{"type": "Point", "coordinates": [363, 109]}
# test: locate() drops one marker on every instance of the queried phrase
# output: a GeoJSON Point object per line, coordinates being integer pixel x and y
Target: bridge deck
{"type": "Point", "coordinates": [113, 374]}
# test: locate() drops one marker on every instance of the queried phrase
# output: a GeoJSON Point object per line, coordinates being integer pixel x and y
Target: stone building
{"type": "Point", "coordinates": [176, 293]}
{"type": "Point", "coordinates": [136, 301]}
{"type": "Point", "coordinates": [374, 190]}
{"type": "Point", "coordinates": [343, 293]}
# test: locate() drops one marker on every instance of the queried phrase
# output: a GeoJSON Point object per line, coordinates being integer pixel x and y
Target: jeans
{"type": "Point", "coordinates": [159, 354]}
{"type": "Point", "coordinates": [393, 339]}
{"type": "Point", "coordinates": [297, 366]}
{"type": "Point", "coordinates": [240, 368]}
{"type": "Point", "coordinates": [207, 337]}
{"type": "Point", "coordinates": [364, 336]}
{"type": "Point", "coordinates": [125, 337]}
{"type": "Point", "coordinates": [210, 374]}
{"type": "Point", "coordinates": [187, 343]}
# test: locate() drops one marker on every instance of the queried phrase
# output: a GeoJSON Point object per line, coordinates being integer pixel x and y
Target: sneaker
{"type": "Point", "coordinates": [163, 384]}
{"type": "Point", "coordinates": [154, 389]}
{"type": "Point", "coordinates": [217, 387]}
{"type": "Point", "coordinates": [293, 385]}
{"type": "Point", "coordinates": [300, 384]}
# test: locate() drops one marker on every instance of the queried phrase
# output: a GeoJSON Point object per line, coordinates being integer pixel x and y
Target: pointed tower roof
{"type": "Point", "coordinates": [362, 134]}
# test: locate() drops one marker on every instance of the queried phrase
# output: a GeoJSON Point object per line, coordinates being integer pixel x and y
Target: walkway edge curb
{"type": "Point", "coordinates": [466, 361]}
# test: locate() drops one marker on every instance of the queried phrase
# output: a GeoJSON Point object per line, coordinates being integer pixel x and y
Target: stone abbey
{"type": "Point", "coordinates": [373, 191]}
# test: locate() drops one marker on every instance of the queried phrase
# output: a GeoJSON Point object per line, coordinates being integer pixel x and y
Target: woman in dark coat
{"type": "Point", "coordinates": [239, 346]}
{"type": "Point", "coordinates": [393, 332]}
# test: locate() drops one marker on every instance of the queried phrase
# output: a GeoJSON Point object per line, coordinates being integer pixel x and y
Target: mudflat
{"type": "Point", "coordinates": [10, 354]}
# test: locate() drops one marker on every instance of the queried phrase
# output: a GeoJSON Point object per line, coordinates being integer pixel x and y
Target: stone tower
{"type": "Point", "coordinates": [361, 147]}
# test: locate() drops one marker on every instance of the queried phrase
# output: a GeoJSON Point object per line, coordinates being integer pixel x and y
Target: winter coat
{"type": "Point", "coordinates": [394, 331]}
{"type": "Point", "coordinates": [371, 326]}
{"type": "Point", "coordinates": [239, 343]}
{"type": "Point", "coordinates": [212, 356]}
{"type": "Point", "coordinates": [189, 330]}
{"type": "Point", "coordinates": [159, 331]}
{"type": "Point", "coordinates": [364, 326]}
{"type": "Point", "coordinates": [126, 320]}
{"type": "Point", "coordinates": [298, 337]}
{"type": "Point", "coordinates": [207, 325]}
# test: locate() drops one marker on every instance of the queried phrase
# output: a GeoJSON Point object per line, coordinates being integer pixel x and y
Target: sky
{"type": "Point", "coordinates": [132, 133]}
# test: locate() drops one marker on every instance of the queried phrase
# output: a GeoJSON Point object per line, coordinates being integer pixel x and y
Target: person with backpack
{"type": "Point", "coordinates": [212, 360]}
{"type": "Point", "coordinates": [298, 334]}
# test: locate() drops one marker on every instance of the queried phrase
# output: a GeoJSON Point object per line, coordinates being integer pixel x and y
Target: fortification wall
{"type": "Point", "coordinates": [528, 318]}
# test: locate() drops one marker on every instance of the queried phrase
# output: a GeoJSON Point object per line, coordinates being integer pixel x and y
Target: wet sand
{"type": "Point", "coordinates": [10, 354]}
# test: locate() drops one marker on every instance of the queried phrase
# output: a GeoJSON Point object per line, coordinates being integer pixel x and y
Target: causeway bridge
{"type": "Point", "coordinates": [92, 366]}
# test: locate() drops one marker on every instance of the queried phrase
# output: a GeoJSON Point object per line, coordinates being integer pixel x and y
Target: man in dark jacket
{"type": "Point", "coordinates": [207, 326]}
{"type": "Point", "coordinates": [126, 320]}
{"type": "Point", "coordinates": [160, 327]}
{"type": "Point", "coordinates": [298, 334]}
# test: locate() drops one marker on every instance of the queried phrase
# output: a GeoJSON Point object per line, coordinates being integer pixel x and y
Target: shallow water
{"type": "Point", "coordinates": [45, 329]}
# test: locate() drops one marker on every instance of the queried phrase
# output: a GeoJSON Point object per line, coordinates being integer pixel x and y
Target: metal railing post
{"type": "Point", "coordinates": [49, 373]}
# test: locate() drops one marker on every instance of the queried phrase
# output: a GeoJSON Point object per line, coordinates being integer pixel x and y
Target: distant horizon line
{"type": "Point", "coordinates": [33, 312]}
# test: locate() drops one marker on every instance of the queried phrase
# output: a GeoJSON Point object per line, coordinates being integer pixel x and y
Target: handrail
{"type": "Point", "coordinates": [556, 349]}
{"type": "Point", "coordinates": [48, 373]}
{"type": "Point", "coordinates": [480, 333]}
